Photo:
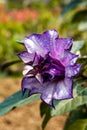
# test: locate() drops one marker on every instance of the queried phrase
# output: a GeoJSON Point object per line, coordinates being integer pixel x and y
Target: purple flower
{"type": "Point", "coordinates": [49, 66]}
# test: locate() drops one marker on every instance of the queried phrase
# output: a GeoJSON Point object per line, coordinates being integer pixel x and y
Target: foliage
{"type": "Point", "coordinates": [77, 119]}
{"type": "Point", "coordinates": [16, 100]}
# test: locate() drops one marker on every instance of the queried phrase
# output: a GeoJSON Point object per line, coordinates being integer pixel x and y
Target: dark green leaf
{"type": "Point", "coordinates": [70, 6]}
{"type": "Point", "coordinates": [80, 124]}
{"type": "Point", "coordinates": [16, 100]}
{"type": "Point", "coordinates": [79, 113]}
{"type": "Point", "coordinates": [80, 16]}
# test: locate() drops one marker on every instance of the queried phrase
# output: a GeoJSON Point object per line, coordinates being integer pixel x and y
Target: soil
{"type": "Point", "coordinates": [26, 117]}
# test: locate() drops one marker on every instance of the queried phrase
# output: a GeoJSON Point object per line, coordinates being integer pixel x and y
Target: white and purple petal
{"type": "Point", "coordinates": [27, 68]}
{"type": "Point", "coordinates": [33, 46]}
{"type": "Point", "coordinates": [64, 43]}
{"type": "Point", "coordinates": [26, 57]}
{"type": "Point", "coordinates": [47, 94]}
{"type": "Point", "coordinates": [71, 71]}
{"type": "Point", "coordinates": [32, 85]}
{"type": "Point", "coordinates": [41, 43]}
{"type": "Point", "coordinates": [63, 89]}
{"type": "Point", "coordinates": [68, 58]}
{"type": "Point", "coordinates": [59, 46]}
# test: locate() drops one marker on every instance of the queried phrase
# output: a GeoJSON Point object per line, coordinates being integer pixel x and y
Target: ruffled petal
{"type": "Point", "coordinates": [41, 43]}
{"type": "Point", "coordinates": [63, 89]}
{"type": "Point", "coordinates": [68, 58]}
{"type": "Point", "coordinates": [64, 43]}
{"type": "Point", "coordinates": [73, 60]}
{"type": "Point", "coordinates": [33, 46]}
{"type": "Point", "coordinates": [72, 70]}
{"type": "Point", "coordinates": [48, 39]}
{"type": "Point", "coordinates": [47, 95]}
{"type": "Point", "coordinates": [26, 57]}
{"type": "Point", "coordinates": [59, 46]}
{"type": "Point", "coordinates": [32, 84]}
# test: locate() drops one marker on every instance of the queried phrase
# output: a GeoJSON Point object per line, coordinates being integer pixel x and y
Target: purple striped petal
{"type": "Point", "coordinates": [63, 89]}
{"type": "Point", "coordinates": [59, 46]}
{"type": "Point", "coordinates": [26, 57]}
{"type": "Point", "coordinates": [47, 94]}
{"type": "Point", "coordinates": [32, 84]}
{"type": "Point", "coordinates": [64, 43]}
{"type": "Point", "coordinates": [72, 70]}
{"type": "Point", "coordinates": [33, 46]}
{"type": "Point", "coordinates": [48, 39]}
{"type": "Point", "coordinates": [41, 43]}
{"type": "Point", "coordinates": [68, 58]}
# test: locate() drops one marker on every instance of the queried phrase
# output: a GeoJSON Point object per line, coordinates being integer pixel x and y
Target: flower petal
{"type": "Point", "coordinates": [33, 46]}
{"type": "Point", "coordinates": [32, 84]}
{"type": "Point", "coordinates": [26, 57]}
{"type": "Point", "coordinates": [65, 43]}
{"type": "Point", "coordinates": [48, 39]}
{"type": "Point", "coordinates": [27, 68]}
{"type": "Point", "coordinates": [68, 58]}
{"type": "Point", "coordinates": [72, 70]}
{"type": "Point", "coordinates": [63, 89]}
{"type": "Point", "coordinates": [60, 45]}
{"type": "Point", "coordinates": [41, 43]}
{"type": "Point", "coordinates": [47, 94]}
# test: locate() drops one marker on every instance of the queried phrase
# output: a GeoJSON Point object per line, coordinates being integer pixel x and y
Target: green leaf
{"type": "Point", "coordinates": [80, 124]}
{"type": "Point", "coordinates": [79, 113]}
{"type": "Point", "coordinates": [77, 45]}
{"type": "Point", "coordinates": [70, 6]}
{"type": "Point", "coordinates": [16, 100]}
{"type": "Point", "coordinates": [68, 105]}
{"type": "Point", "coordinates": [80, 98]}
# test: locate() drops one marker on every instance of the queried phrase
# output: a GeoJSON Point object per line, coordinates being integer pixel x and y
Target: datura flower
{"type": "Point", "coordinates": [49, 66]}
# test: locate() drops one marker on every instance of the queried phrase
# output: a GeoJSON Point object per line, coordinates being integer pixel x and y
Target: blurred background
{"type": "Point", "coordinates": [19, 18]}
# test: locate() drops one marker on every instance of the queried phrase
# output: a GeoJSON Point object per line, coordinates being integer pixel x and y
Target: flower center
{"type": "Point", "coordinates": [48, 69]}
